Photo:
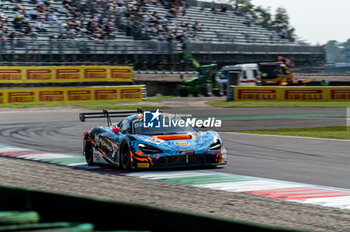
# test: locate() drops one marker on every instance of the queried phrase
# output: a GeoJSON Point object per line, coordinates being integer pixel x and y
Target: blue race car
{"type": "Point", "coordinates": [132, 145]}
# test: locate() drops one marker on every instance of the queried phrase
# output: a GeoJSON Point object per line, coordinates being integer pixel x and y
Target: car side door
{"type": "Point", "coordinates": [124, 128]}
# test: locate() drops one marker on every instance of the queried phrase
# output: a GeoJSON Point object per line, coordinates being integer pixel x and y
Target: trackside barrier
{"type": "Point", "coordinates": [67, 94]}
{"type": "Point", "coordinates": [113, 215]}
{"type": "Point", "coordinates": [294, 93]}
{"type": "Point", "coordinates": [64, 74]}
{"type": "Point", "coordinates": [232, 80]}
{"type": "Point", "coordinates": [144, 92]}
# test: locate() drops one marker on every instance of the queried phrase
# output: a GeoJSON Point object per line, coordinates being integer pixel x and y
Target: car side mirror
{"type": "Point", "coordinates": [116, 129]}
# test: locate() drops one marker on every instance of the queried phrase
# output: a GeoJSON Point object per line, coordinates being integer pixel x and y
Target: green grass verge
{"type": "Point", "coordinates": [332, 132]}
{"type": "Point", "coordinates": [90, 105]}
{"type": "Point", "coordinates": [277, 104]}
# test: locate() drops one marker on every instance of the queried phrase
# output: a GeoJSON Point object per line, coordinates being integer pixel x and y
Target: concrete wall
{"type": "Point", "coordinates": [165, 84]}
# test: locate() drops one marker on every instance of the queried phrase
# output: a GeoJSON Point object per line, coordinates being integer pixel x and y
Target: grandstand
{"type": "Point", "coordinates": [88, 32]}
{"type": "Point", "coordinates": [220, 27]}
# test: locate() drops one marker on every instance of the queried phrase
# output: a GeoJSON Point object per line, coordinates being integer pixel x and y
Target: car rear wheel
{"type": "Point", "coordinates": [88, 152]}
{"type": "Point", "coordinates": [124, 158]}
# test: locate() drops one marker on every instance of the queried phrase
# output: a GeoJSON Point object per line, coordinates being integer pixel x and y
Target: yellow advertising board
{"type": "Point", "coordinates": [120, 73]}
{"type": "Point", "coordinates": [68, 74]}
{"type": "Point", "coordinates": [38, 74]}
{"type": "Point", "coordinates": [59, 74]}
{"type": "Point", "coordinates": [291, 93]}
{"type": "Point", "coordinates": [27, 95]}
{"type": "Point", "coordinates": [9, 74]}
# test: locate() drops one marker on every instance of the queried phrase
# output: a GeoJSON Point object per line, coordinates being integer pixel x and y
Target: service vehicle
{"type": "Point", "coordinates": [205, 83]}
{"type": "Point", "coordinates": [277, 73]}
{"type": "Point", "coordinates": [131, 144]}
{"type": "Point", "coordinates": [249, 74]}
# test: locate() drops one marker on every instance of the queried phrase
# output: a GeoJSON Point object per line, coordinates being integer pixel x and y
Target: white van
{"type": "Point", "coordinates": [249, 74]}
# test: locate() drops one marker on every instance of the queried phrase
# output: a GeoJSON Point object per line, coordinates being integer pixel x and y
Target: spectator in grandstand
{"type": "Point", "coordinates": [197, 26]}
{"type": "Point", "coordinates": [195, 38]}
{"type": "Point", "coordinates": [17, 22]}
{"type": "Point", "coordinates": [183, 11]}
{"type": "Point", "coordinates": [52, 17]}
{"type": "Point", "coordinates": [213, 9]}
{"type": "Point", "coordinates": [62, 10]}
{"type": "Point", "coordinates": [39, 26]}
{"type": "Point", "coordinates": [34, 13]}
{"type": "Point", "coordinates": [223, 8]}
{"type": "Point", "coordinates": [2, 14]}
{"type": "Point", "coordinates": [283, 33]}
{"type": "Point", "coordinates": [12, 35]}
{"type": "Point", "coordinates": [248, 21]}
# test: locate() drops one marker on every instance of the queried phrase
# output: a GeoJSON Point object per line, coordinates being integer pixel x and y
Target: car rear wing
{"type": "Point", "coordinates": [108, 114]}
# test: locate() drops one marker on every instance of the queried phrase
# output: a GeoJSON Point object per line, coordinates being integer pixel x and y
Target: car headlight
{"type": "Point", "coordinates": [148, 149]}
{"type": "Point", "coordinates": [216, 145]}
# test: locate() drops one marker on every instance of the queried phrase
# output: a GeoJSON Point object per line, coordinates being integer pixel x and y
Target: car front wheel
{"type": "Point", "coordinates": [88, 152]}
{"type": "Point", "coordinates": [124, 158]}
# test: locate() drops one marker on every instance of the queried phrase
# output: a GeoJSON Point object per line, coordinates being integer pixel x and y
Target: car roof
{"type": "Point", "coordinates": [131, 117]}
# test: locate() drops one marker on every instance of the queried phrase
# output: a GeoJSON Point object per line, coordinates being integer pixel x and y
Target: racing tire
{"type": "Point", "coordinates": [183, 93]}
{"type": "Point", "coordinates": [124, 157]}
{"type": "Point", "coordinates": [88, 152]}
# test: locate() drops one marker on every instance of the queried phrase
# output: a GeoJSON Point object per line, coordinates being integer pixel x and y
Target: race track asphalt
{"type": "Point", "coordinates": [314, 161]}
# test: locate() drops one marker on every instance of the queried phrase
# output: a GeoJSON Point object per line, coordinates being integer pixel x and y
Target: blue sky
{"type": "Point", "coordinates": [316, 21]}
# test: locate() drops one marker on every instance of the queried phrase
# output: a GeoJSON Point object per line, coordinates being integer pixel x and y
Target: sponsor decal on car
{"type": "Point", "coordinates": [182, 143]}
{"type": "Point", "coordinates": [153, 140]}
{"type": "Point", "coordinates": [143, 165]}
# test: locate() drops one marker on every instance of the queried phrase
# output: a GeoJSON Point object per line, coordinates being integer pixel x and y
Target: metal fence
{"type": "Point", "coordinates": [143, 54]}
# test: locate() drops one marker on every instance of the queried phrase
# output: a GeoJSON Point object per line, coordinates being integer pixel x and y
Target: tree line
{"type": "Point", "coordinates": [338, 52]}
{"type": "Point", "coordinates": [264, 17]}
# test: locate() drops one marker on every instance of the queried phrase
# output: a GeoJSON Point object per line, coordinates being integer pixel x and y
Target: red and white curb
{"type": "Point", "coordinates": [276, 189]}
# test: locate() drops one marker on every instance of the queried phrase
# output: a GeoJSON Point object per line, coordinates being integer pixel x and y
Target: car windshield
{"type": "Point", "coordinates": [271, 72]}
{"type": "Point", "coordinates": [224, 73]}
{"type": "Point", "coordinates": [164, 126]}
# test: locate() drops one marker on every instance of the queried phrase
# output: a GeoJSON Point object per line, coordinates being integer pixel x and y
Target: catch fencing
{"type": "Point", "coordinates": [145, 54]}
